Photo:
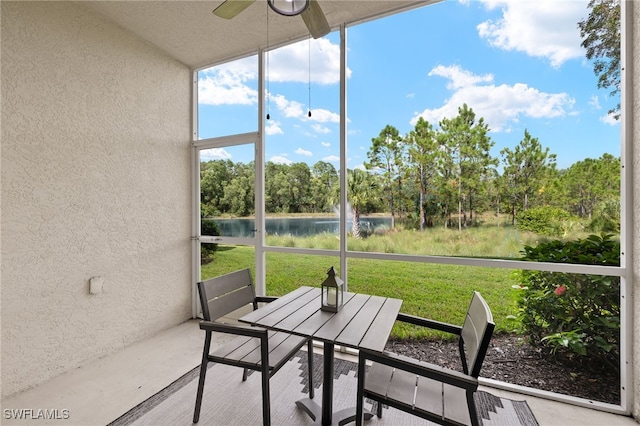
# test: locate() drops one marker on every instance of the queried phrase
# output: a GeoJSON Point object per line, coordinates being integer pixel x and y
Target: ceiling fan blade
{"type": "Point", "coordinates": [231, 8]}
{"type": "Point", "coordinates": [315, 20]}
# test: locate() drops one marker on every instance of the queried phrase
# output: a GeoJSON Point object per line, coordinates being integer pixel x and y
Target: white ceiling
{"type": "Point", "coordinates": [189, 32]}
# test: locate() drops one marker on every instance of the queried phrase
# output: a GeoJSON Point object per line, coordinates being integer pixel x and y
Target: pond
{"type": "Point", "coordinates": [295, 226]}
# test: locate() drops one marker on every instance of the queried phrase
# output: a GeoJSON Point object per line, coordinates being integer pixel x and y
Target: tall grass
{"type": "Point", "coordinates": [480, 241]}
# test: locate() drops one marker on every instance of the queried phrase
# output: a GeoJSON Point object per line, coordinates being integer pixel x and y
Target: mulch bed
{"type": "Point", "coordinates": [510, 359]}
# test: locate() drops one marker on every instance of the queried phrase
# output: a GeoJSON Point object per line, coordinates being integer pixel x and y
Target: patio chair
{"type": "Point", "coordinates": [255, 348]}
{"type": "Point", "coordinates": [429, 391]}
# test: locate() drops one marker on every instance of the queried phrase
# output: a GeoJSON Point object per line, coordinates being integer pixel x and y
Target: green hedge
{"type": "Point", "coordinates": [543, 220]}
{"type": "Point", "coordinates": [575, 314]}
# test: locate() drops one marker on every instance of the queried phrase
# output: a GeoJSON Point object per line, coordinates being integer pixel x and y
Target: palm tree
{"type": "Point", "coordinates": [361, 188]}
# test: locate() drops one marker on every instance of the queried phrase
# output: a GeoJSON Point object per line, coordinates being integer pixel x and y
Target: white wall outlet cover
{"type": "Point", "coordinates": [96, 285]}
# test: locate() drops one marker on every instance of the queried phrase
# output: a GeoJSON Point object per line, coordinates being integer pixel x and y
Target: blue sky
{"type": "Point", "coordinates": [518, 64]}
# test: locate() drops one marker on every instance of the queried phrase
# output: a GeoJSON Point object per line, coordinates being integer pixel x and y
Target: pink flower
{"type": "Point", "coordinates": [560, 290]}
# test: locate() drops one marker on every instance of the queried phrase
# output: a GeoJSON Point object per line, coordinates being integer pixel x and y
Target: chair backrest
{"type": "Point", "coordinates": [226, 293]}
{"type": "Point", "coordinates": [475, 336]}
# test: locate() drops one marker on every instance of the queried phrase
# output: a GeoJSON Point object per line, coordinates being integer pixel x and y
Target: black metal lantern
{"type": "Point", "coordinates": [289, 7]}
{"type": "Point", "coordinates": [332, 292]}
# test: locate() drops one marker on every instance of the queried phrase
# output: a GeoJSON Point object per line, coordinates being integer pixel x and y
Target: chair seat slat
{"type": "Point", "coordinates": [402, 387]}
{"type": "Point", "coordinates": [275, 339]}
{"type": "Point", "coordinates": [429, 396]}
{"type": "Point", "coordinates": [285, 350]}
{"type": "Point", "coordinates": [378, 379]}
{"type": "Point", "coordinates": [246, 353]}
{"type": "Point", "coordinates": [455, 405]}
{"type": "Point", "coordinates": [232, 346]}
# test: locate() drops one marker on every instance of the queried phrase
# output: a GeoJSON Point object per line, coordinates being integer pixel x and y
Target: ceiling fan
{"type": "Point", "coordinates": [310, 11]}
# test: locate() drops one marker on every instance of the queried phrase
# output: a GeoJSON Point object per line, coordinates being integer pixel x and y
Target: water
{"type": "Point", "coordinates": [295, 226]}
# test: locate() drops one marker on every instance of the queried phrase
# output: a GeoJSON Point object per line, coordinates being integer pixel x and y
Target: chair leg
{"type": "Point", "coordinates": [266, 400]}
{"type": "Point", "coordinates": [245, 373]}
{"type": "Point", "coordinates": [264, 370]}
{"type": "Point", "coordinates": [473, 414]}
{"type": "Point", "coordinates": [310, 365]}
{"type": "Point", "coordinates": [360, 391]}
{"type": "Point", "coordinates": [203, 374]}
{"type": "Point", "coordinates": [379, 409]}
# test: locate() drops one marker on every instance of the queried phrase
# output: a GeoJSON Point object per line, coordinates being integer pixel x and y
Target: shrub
{"type": "Point", "coordinates": [606, 217]}
{"type": "Point", "coordinates": [544, 220]}
{"type": "Point", "coordinates": [210, 228]}
{"type": "Point", "coordinates": [576, 314]}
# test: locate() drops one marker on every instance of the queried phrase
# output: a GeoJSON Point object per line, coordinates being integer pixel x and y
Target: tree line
{"type": "Point", "coordinates": [444, 175]}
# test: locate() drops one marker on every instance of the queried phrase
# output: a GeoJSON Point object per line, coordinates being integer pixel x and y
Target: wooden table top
{"type": "Point", "coordinates": [364, 321]}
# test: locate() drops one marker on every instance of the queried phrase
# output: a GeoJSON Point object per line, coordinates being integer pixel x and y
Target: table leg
{"type": "Point", "coordinates": [324, 415]}
{"type": "Point", "coordinates": [327, 384]}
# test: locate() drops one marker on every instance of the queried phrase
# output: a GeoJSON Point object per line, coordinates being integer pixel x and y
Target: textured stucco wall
{"type": "Point", "coordinates": [95, 182]}
{"type": "Point", "coordinates": [636, 202]}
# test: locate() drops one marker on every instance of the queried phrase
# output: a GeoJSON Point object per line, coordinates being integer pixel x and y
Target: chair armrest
{"type": "Point", "coordinates": [421, 368]}
{"type": "Point", "coordinates": [241, 330]}
{"type": "Point", "coordinates": [424, 322]}
{"type": "Point", "coordinates": [265, 299]}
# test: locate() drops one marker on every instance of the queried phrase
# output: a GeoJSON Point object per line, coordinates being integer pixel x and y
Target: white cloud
{"type": "Point", "coordinates": [325, 144]}
{"type": "Point", "coordinates": [291, 63]}
{"type": "Point", "coordinates": [324, 116]}
{"type": "Point", "coordinates": [227, 84]}
{"type": "Point", "coordinates": [280, 159]}
{"type": "Point", "coordinates": [288, 108]}
{"type": "Point", "coordinates": [304, 152]}
{"type": "Point", "coordinates": [499, 105]}
{"type": "Point", "coordinates": [411, 95]}
{"type": "Point", "coordinates": [458, 77]}
{"type": "Point", "coordinates": [332, 158]}
{"type": "Point", "coordinates": [609, 119]}
{"type": "Point", "coordinates": [214, 154]}
{"type": "Point", "coordinates": [272, 127]}
{"type": "Point", "coordinates": [542, 28]}
{"type": "Point", "coordinates": [320, 129]}
{"type": "Point", "coordinates": [595, 102]}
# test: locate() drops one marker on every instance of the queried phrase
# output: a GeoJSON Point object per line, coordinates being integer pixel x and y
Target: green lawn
{"type": "Point", "coordinates": [440, 292]}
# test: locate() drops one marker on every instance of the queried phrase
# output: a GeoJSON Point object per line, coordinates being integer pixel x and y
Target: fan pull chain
{"type": "Point", "coordinates": [309, 75]}
{"type": "Point", "coordinates": [268, 54]}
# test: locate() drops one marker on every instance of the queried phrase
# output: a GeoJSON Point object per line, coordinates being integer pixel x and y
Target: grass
{"type": "Point", "coordinates": [480, 241]}
{"type": "Point", "coordinates": [439, 292]}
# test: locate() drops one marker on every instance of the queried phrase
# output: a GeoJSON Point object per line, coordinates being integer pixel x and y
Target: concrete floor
{"type": "Point", "coordinates": [104, 389]}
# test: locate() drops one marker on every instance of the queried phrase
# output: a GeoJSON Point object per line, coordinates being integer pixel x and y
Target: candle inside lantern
{"type": "Point", "coordinates": [332, 296]}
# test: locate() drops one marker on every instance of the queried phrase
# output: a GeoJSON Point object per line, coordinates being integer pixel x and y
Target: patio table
{"type": "Point", "coordinates": [364, 321]}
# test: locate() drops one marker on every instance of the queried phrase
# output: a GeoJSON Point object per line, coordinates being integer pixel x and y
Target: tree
{"type": "Point", "coordinates": [386, 154]}
{"type": "Point", "coordinates": [525, 171]}
{"type": "Point", "coordinates": [299, 177]}
{"type": "Point", "coordinates": [422, 150]}
{"type": "Point", "coordinates": [591, 182]}
{"type": "Point", "coordinates": [214, 176]}
{"type": "Point", "coordinates": [465, 158]}
{"type": "Point", "coordinates": [323, 178]}
{"type": "Point", "coordinates": [601, 35]}
{"type": "Point", "coordinates": [276, 188]}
